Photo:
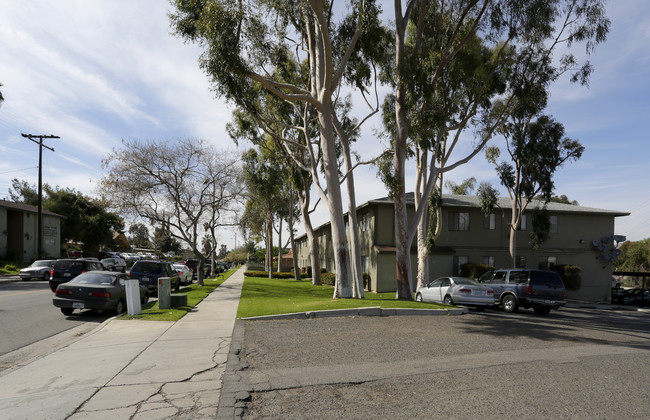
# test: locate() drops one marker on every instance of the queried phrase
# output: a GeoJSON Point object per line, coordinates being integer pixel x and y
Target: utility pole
{"type": "Point", "coordinates": [40, 185]}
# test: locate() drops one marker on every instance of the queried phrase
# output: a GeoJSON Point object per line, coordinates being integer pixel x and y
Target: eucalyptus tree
{"type": "Point", "coordinates": [535, 150]}
{"type": "Point", "coordinates": [247, 42]}
{"type": "Point", "coordinates": [263, 179]}
{"type": "Point", "coordinates": [176, 184]}
{"type": "Point", "coordinates": [497, 54]}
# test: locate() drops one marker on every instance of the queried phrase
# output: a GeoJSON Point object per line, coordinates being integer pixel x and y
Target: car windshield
{"type": "Point", "coordinates": [69, 265]}
{"type": "Point", "coordinates": [147, 267]}
{"type": "Point", "coordinates": [94, 278]}
{"type": "Point", "coordinates": [40, 264]}
{"type": "Point", "coordinates": [464, 281]}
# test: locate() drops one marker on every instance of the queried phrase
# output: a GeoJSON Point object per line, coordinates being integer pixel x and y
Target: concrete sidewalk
{"type": "Point", "coordinates": [132, 369]}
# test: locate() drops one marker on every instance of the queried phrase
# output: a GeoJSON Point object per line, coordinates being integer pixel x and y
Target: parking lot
{"type": "Point", "coordinates": [573, 363]}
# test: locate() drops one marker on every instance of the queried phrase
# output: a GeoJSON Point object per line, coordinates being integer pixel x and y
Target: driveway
{"type": "Point", "coordinates": [569, 364]}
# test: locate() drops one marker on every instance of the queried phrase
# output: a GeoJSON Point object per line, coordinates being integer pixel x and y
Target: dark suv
{"type": "Point", "coordinates": [149, 271]}
{"type": "Point", "coordinates": [65, 270]}
{"type": "Point", "coordinates": [537, 289]}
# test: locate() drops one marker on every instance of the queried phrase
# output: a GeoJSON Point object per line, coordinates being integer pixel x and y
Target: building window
{"type": "Point", "coordinates": [553, 220]}
{"type": "Point", "coordinates": [520, 261]}
{"type": "Point", "coordinates": [547, 263]}
{"type": "Point", "coordinates": [459, 260]}
{"type": "Point", "coordinates": [365, 263]}
{"type": "Point", "coordinates": [459, 221]}
{"type": "Point", "coordinates": [365, 222]}
{"type": "Point", "coordinates": [490, 221]}
{"type": "Point", "coordinates": [523, 223]}
{"type": "Point", "coordinates": [488, 260]}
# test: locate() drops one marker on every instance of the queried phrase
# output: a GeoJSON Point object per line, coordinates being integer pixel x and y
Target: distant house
{"type": "Point", "coordinates": [18, 232]}
{"type": "Point", "coordinates": [579, 236]}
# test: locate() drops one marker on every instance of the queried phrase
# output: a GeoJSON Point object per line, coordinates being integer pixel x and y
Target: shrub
{"type": "Point", "coordinates": [328, 278]}
{"type": "Point", "coordinates": [570, 275]}
{"type": "Point", "coordinates": [474, 271]}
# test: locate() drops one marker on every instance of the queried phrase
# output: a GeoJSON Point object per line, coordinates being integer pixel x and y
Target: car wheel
{"type": "Point", "coordinates": [542, 311]}
{"type": "Point", "coordinates": [67, 311]}
{"type": "Point", "coordinates": [53, 287]}
{"type": "Point", "coordinates": [46, 276]}
{"type": "Point", "coordinates": [418, 297]}
{"type": "Point", "coordinates": [145, 298]}
{"type": "Point", "coordinates": [120, 307]}
{"type": "Point", "coordinates": [509, 304]}
{"type": "Point", "coordinates": [448, 300]}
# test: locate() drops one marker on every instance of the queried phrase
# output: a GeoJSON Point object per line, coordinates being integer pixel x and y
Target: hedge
{"type": "Point", "coordinates": [276, 275]}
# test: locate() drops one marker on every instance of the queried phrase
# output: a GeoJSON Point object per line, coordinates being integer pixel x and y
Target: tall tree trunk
{"type": "Point", "coordinates": [423, 252]}
{"type": "Point", "coordinates": [353, 225]}
{"type": "Point", "coordinates": [402, 248]}
{"type": "Point", "coordinates": [314, 248]}
{"type": "Point", "coordinates": [269, 242]}
{"type": "Point", "coordinates": [280, 247]}
{"type": "Point", "coordinates": [512, 243]}
{"type": "Point", "coordinates": [343, 285]}
{"type": "Point", "coordinates": [294, 249]}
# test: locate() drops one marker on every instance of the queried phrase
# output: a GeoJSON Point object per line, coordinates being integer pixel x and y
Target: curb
{"type": "Point", "coordinates": [364, 311]}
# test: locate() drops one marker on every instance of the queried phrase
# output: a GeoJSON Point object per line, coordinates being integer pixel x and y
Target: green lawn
{"type": "Point", "coordinates": [262, 296]}
{"type": "Point", "coordinates": [195, 294]}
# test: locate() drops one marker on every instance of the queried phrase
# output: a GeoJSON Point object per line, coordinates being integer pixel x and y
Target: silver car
{"type": "Point", "coordinates": [184, 273]}
{"type": "Point", "coordinates": [40, 270]}
{"type": "Point", "coordinates": [456, 291]}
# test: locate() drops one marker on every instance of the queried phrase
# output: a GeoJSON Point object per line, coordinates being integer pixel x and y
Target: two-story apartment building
{"type": "Point", "coordinates": [468, 236]}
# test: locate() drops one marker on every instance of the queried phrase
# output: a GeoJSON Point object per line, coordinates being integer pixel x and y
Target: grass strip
{"type": "Point", "coordinates": [195, 294]}
{"type": "Point", "coordinates": [263, 296]}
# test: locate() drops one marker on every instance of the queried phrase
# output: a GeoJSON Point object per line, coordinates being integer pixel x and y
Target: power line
{"type": "Point", "coordinates": [18, 170]}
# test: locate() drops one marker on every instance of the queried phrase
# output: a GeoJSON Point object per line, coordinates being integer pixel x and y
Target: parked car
{"type": "Point", "coordinates": [618, 294]}
{"type": "Point", "coordinates": [39, 269]}
{"type": "Point", "coordinates": [114, 264]}
{"type": "Point", "coordinates": [193, 264]}
{"type": "Point", "coordinates": [636, 297]}
{"type": "Point", "coordinates": [148, 272]}
{"type": "Point", "coordinates": [65, 270]}
{"type": "Point", "coordinates": [184, 273]}
{"type": "Point", "coordinates": [538, 289]}
{"type": "Point", "coordinates": [456, 291]}
{"type": "Point", "coordinates": [97, 290]}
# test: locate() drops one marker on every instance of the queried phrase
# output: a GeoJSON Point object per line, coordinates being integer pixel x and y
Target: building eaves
{"type": "Point", "coordinates": [26, 208]}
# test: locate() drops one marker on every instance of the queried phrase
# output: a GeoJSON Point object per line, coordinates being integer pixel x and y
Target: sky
{"type": "Point", "coordinates": [94, 73]}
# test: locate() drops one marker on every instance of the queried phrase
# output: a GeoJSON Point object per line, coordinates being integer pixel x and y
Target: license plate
{"type": "Point", "coordinates": [66, 274]}
{"type": "Point", "coordinates": [145, 279]}
{"type": "Point", "coordinates": [549, 302]}
{"type": "Point", "coordinates": [77, 305]}
{"type": "Point", "coordinates": [478, 292]}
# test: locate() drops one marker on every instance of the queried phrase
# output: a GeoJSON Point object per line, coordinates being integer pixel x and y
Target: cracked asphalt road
{"type": "Point", "coordinates": [570, 364]}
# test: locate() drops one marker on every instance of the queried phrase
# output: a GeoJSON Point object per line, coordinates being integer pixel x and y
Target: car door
{"type": "Point", "coordinates": [431, 292]}
{"type": "Point", "coordinates": [443, 289]}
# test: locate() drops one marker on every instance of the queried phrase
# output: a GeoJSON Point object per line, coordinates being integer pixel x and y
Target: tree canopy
{"type": "Point", "coordinates": [86, 220]}
{"type": "Point", "coordinates": [179, 185]}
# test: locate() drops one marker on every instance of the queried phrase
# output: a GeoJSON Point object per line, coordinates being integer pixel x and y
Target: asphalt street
{"type": "Point", "coordinates": [28, 316]}
{"type": "Point", "coordinates": [573, 363]}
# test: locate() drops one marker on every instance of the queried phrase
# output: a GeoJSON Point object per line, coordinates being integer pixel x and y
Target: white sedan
{"type": "Point", "coordinates": [185, 274]}
{"type": "Point", "coordinates": [456, 291]}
